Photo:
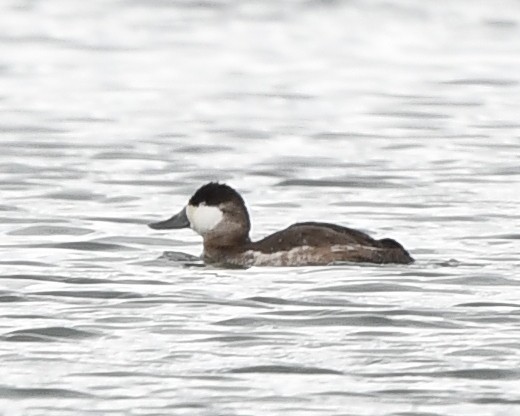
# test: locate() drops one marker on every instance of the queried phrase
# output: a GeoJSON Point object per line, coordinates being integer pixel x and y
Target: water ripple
{"type": "Point", "coordinates": [354, 321]}
{"type": "Point", "coordinates": [90, 294]}
{"type": "Point", "coordinates": [83, 246]}
{"type": "Point", "coordinates": [40, 393]}
{"type": "Point", "coordinates": [284, 369]}
{"type": "Point", "coordinates": [50, 230]}
{"type": "Point", "coordinates": [48, 334]}
{"type": "Point", "coordinates": [471, 374]}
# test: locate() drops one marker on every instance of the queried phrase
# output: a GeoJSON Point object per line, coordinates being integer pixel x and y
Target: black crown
{"type": "Point", "coordinates": [214, 194]}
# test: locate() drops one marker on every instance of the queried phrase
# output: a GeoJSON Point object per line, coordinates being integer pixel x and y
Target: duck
{"type": "Point", "coordinates": [218, 213]}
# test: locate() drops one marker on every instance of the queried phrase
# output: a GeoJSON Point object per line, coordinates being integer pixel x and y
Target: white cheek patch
{"type": "Point", "coordinates": [203, 218]}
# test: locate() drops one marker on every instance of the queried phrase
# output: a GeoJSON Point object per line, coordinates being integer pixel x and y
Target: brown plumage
{"type": "Point", "coordinates": [227, 241]}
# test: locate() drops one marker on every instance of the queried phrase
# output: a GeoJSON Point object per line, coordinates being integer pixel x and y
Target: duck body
{"type": "Point", "coordinates": [218, 213]}
{"type": "Point", "coordinates": [311, 244]}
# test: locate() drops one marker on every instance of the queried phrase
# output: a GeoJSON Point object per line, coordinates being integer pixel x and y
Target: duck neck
{"type": "Point", "coordinates": [225, 241]}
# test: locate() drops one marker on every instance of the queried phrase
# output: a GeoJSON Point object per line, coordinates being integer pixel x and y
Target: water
{"type": "Point", "coordinates": [395, 117]}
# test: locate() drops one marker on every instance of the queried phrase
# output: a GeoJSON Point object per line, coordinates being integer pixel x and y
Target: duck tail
{"type": "Point", "coordinates": [396, 252]}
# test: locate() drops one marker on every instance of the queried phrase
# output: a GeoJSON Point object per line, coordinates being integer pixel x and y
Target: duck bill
{"type": "Point", "coordinates": [178, 221]}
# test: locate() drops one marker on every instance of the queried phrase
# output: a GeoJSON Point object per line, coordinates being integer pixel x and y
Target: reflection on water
{"type": "Point", "coordinates": [396, 118]}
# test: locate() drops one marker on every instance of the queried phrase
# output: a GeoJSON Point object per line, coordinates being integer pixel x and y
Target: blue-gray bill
{"type": "Point", "coordinates": [179, 220]}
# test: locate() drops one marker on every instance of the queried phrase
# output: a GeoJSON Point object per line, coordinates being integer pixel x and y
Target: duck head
{"type": "Point", "coordinates": [216, 212]}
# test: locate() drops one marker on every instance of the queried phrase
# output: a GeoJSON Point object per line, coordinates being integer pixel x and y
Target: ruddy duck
{"type": "Point", "coordinates": [218, 213]}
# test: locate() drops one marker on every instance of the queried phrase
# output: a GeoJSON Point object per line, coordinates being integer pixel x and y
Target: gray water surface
{"type": "Point", "coordinates": [398, 118]}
